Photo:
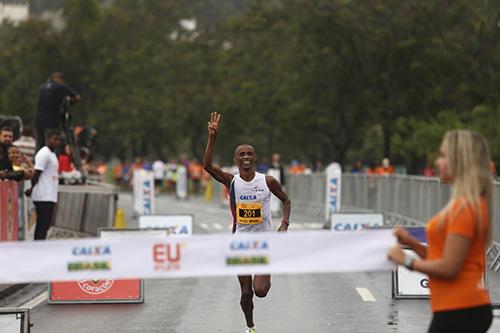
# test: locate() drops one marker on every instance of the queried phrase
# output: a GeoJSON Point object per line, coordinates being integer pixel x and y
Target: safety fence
{"type": "Point", "coordinates": [81, 211]}
{"type": "Point", "coordinates": [404, 200]}
{"type": "Point", "coordinates": [87, 208]}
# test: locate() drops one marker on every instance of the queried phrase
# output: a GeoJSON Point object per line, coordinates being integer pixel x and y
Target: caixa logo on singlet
{"type": "Point", "coordinates": [248, 197]}
{"type": "Point", "coordinates": [167, 256]}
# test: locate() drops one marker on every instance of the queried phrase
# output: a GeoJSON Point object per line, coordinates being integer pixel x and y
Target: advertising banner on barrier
{"type": "Point", "coordinates": [333, 189]}
{"type": "Point", "coordinates": [104, 290]}
{"type": "Point", "coordinates": [411, 284]}
{"type": "Point", "coordinates": [202, 255]}
{"type": "Point", "coordinates": [144, 192]}
{"type": "Point", "coordinates": [355, 222]}
{"type": "Point", "coordinates": [9, 217]}
{"type": "Point", "coordinates": [174, 224]}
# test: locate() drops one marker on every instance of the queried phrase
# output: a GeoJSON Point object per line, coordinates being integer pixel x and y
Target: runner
{"type": "Point", "coordinates": [250, 195]}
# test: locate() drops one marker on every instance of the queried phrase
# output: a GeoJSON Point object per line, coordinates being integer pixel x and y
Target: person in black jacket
{"type": "Point", "coordinates": [50, 97]}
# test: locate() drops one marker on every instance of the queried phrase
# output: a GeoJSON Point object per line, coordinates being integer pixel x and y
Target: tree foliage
{"type": "Point", "coordinates": [315, 80]}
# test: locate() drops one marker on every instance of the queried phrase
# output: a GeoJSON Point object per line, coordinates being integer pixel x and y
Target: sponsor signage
{"type": "Point", "coordinates": [333, 189]}
{"type": "Point", "coordinates": [191, 256]}
{"type": "Point", "coordinates": [144, 192]}
{"type": "Point", "coordinates": [9, 216]}
{"type": "Point", "coordinates": [355, 222]}
{"type": "Point", "coordinates": [92, 258]}
{"type": "Point", "coordinates": [410, 284]}
{"type": "Point", "coordinates": [173, 224]}
{"type": "Point", "coordinates": [181, 185]}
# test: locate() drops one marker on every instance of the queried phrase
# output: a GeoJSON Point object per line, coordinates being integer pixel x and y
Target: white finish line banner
{"type": "Point", "coordinates": [203, 255]}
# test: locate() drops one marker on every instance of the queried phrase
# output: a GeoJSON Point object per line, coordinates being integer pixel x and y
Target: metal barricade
{"type": "Point", "coordinates": [85, 209]}
{"type": "Point", "coordinates": [404, 200]}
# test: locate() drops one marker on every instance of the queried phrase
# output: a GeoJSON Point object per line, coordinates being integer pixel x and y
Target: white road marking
{"type": "Point", "coordinates": [366, 295]}
{"type": "Point", "coordinates": [316, 225]}
{"type": "Point", "coordinates": [204, 225]}
{"type": "Point", "coordinates": [217, 226]}
{"type": "Point", "coordinates": [296, 226]}
{"type": "Point", "coordinates": [35, 301]}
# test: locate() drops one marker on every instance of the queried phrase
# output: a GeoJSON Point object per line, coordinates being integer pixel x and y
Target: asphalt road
{"type": "Point", "coordinates": [296, 303]}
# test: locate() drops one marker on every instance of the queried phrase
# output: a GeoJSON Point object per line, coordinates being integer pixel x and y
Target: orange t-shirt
{"type": "Point", "coordinates": [467, 288]}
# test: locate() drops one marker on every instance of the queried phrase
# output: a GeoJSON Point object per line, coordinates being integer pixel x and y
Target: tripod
{"type": "Point", "coordinates": [70, 136]}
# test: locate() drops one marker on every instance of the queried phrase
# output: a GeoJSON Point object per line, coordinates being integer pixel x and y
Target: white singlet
{"type": "Point", "coordinates": [250, 204]}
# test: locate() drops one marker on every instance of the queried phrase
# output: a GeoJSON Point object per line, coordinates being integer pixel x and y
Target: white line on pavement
{"type": "Point", "coordinates": [204, 225]}
{"type": "Point", "coordinates": [365, 294]}
{"type": "Point", "coordinates": [217, 226]}
{"type": "Point", "coordinates": [35, 301]}
{"type": "Point", "coordinates": [296, 226]}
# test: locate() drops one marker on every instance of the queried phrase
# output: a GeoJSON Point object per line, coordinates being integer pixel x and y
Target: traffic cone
{"type": "Point", "coordinates": [120, 222]}
{"type": "Point", "coordinates": [208, 192]}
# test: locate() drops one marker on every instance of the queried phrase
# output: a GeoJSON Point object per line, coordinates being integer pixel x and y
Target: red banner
{"type": "Point", "coordinates": [9, 218]}
{"type": "Point", "coordinates": [96, 291]}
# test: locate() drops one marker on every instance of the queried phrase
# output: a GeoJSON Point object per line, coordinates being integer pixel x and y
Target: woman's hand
{"type": "Point", "coordinates": [396, 255]}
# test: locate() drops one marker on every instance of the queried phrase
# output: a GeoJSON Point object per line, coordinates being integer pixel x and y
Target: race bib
{"type": "Point", "coordinates": [249, 213]}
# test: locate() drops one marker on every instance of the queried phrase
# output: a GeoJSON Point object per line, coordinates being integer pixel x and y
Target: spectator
{"type": "Point", "coordinates": [195, 171]}
{"type": "Point", "coordinates": [318, 167]}
{"type": "Point", "coordinates": [26, 143]}
{"type": "Point", "coordinates": [44, 184]}
{"type": "Point", "coordinates": [50, 98]}
{"type": "Point", "coordinates": [386, 168]}
{"type": "Point", "coordinates": [159, 173]}
{"type": "Point", "coordinates": [171, 175]}
{"type": "Point", "coordinates": [276, 165]}
{"type": "Point", "coordinates": [67, 170]}
{"type": "Point", "coordinates": [118, 173]}
{"type": "Point", "coordinates": [20, 162]}
{"type": "Point", "coordinates": [296, 168]}
{"type": "Point", "coordinates": [6, 137]}
{"type": "Point", "coordinates": [263, 166]}
{"type": "Point", "coordinates": [371, 170]}
{"type": "Point", "coordinates": [357, 167]}
{"type": "Point", "coordinates": [428, 171]}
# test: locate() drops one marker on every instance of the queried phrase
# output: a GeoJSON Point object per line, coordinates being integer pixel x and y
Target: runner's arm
{"type": "Point", "coordinates": [216, 172]}
{"type": "Point", "coordinates": [277, 190]}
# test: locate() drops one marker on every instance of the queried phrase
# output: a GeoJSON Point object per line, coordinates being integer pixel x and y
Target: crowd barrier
{"type": "Point", "coordinates": [86, 208]}
{"type": "Point", "coordinates": [406, 200]}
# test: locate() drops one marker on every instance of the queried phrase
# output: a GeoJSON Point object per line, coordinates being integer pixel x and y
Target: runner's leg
{"type": "Point", "coordinates": [246, 298]}
{"type": "Point", "coordinates": [261, 285]}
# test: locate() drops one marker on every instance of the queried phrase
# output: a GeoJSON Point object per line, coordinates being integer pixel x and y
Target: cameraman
{"type": "Point", "coordinates": [50, 98]}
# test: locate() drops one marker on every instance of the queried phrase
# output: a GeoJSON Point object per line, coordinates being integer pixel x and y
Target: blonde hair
{"type": "Point", "coordinates": [469, 162]}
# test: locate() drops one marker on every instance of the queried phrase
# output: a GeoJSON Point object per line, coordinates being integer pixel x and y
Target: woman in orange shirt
{"type": "Point", "coordinates": [457, 238]}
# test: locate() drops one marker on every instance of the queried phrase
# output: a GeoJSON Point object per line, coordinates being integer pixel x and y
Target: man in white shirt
{"type": "Point", "coordinates": [45, 183]}
{"type": "Point", "coordinates": [159, 172]}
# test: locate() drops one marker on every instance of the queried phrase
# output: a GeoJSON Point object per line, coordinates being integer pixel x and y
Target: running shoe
{"type": "Point", "coordinates": [250, 330]}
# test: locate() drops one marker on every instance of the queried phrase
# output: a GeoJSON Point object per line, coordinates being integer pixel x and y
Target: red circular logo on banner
{"type": "Point", "coordinates": [95, 287]}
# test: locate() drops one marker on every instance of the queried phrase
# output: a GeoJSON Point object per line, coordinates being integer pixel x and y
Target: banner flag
{"type": "Point", "coordinates": [201, 255]}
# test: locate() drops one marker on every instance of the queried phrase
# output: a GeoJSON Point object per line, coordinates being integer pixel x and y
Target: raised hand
{"type": "Point", "coordinates": [213, 124]}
